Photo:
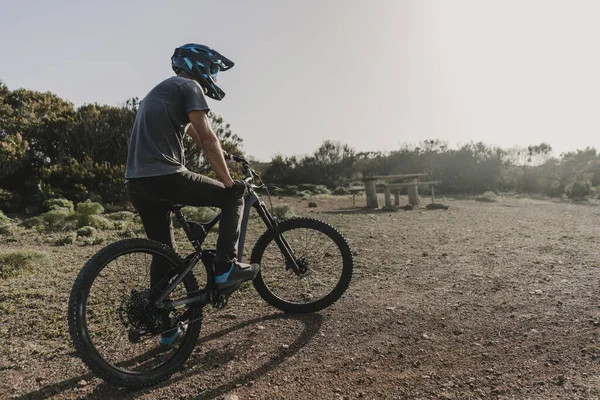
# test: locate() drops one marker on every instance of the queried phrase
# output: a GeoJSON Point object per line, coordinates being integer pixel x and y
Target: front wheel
{"type": "Point", "coordinates": [319, 250]}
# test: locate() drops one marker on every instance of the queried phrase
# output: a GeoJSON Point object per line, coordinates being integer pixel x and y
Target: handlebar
{"type": "Point", "coordinates": [232, 157]}
{"type": "Point", "coordinates": [250, 173]}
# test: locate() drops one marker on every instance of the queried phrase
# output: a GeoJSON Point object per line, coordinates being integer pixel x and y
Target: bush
{"type": "Point", "coordinates": [340, 191]}
{"type": "Point", "coordinates": [66, 239]}
{"type": "Point", "coordinates": [313, 189]}
{"type": "Point", "coordinates": [199, 214]}
{"type": "Point", "coordinates": [82, 179]}
{"type": "Point", "coordinates": [97, 221]}
{"type": "Point", "coordinates": [57, 204]}
{"type": "Point", "coordinates": [4, 220]}
{"type": "Point", "coordinates": [120, 225]}
{"type": "Point", "coordinates": [312, 204]}
{"type": "Point", "coordinates": [86, 231]}
{"type": "Point", "coordinates": [307, 186]}
{"type": "Point", "coordinates": [33, 222]}
{"type": "Point", "coordinates": [127, 233]}
{"type": "Point", "coordinates": [92, 241]}
{"type": "Point", "coordinates": [8, 200]}
{"type": "Point", "coordinates": [283, 211]}
{"type": "Point", "coordinates": [89, 208]}
{"type": "Point", "coordinates": [5, 225]}
{"type": "Point", "coordinates": [487, 197]}
{"type": "Point", "coordinates": [13, 263]}
{"type": "Point", "coordinates": [321, 189]}
{"type": "Point", "coordinates": [57, 219]}
{"type": "Point", "coordinates": [581, 187]}
{"type": "Point", "coordinates": [121, 216]}
{"type": "Point", "coordinates": [304, 195]}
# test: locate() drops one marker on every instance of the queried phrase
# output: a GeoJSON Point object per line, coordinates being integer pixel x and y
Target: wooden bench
{"type": "Point", "coordinates": [413, 192]}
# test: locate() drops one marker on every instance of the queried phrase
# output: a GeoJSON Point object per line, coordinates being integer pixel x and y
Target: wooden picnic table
{"type": "Point", "coordinates": [412, 188]}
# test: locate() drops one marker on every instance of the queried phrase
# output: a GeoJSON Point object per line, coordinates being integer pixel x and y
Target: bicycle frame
{"type": "Point", "coordinates": [197, 232]}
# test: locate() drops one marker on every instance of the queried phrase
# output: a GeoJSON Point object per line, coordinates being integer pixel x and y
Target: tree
{"type": "Point", "coordinates": [231, 143]}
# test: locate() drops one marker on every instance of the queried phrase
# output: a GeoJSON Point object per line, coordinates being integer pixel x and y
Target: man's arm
{"type": "Point", "coordinates": [204, 136]}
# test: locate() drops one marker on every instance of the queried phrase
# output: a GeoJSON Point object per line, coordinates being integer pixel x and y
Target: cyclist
{"type": "Point", "coordinates": [156, 176]}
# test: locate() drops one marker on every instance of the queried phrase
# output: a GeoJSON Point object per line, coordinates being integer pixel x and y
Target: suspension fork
{"type": "Point", "coordinates": [285, 248]}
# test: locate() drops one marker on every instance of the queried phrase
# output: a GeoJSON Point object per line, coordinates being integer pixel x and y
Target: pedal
{"type": "Point", "coordinates": [221, 302]}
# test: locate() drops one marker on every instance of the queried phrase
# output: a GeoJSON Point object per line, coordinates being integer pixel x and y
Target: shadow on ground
{"type": "Point", "coordinates": [312, 323]}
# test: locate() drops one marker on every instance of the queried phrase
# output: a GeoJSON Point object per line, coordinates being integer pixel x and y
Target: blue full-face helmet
{"type": "Point", "coordinates": [203, 64]}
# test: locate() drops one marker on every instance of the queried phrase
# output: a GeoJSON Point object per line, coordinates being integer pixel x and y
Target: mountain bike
{"type": "Point", "coordinates": [116, 318]}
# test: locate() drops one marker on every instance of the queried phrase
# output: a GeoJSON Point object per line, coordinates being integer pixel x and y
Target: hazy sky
{"type": "Point", "coordinates": [372, 73]}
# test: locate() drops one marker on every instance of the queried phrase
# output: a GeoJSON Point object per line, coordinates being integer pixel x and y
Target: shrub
{"type": "Point", "coordinates": [580, 187]}
{"type": "Point", "coordinates": [57, 219]}
{"type": "Point", "coordinates": [5, 226]}
{"type": "Point", "coordinates": [307, 186]}
{"type": "Point", "coordinates": [304, 195]}
{"type": "Point", "coordinates": [4, 220]}
{"type": "Point", "coordinates": [97, 221]}
{"type": "Point", "coordinates": [56, 204]}
{"type": "Point", "coordinates": [86, 231]}
{"type": "Point", "coordinates": [312, 204]}
{"type": "Point", "coordinates": [89, 208]}
{"type": "Point", "coordinates": [340, 191]}
{"type": "Point", "coordinates": [121, 216]}
{"type": "Point", "coordinates": [92, 241]}
{"type": "Point", "coordinates": [66, 239]}
{"type": "Point", "coordinates": [127, 233]}
{"type": "Point", "coordinates": [8, 201]}
{"type": "Point", "coordinates": [13, 263]}
{"type": "Point", "coordinates": [321, 189]}
{"type": "Point", "coordinates": [283, 211]}
{"type": "Point", "coordinates": [487, 197]}
{"type": "Point", "coordinates": [33, 222]}
{"type": "Point", "coordinates": [199, 214]}
{"type": "Point", "coordinates": [120, 225]}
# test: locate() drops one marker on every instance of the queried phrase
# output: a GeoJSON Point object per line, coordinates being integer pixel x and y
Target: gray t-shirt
{"type": "Point", "coordinates": [156, 146]}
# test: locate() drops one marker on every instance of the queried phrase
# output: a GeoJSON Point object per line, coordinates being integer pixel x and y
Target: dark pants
{"type": "Point", "coordinates": [153, 196]}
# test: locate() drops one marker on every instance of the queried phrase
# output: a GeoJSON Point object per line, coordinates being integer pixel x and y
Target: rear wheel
{"type": "Point", "coordinates": [114, 324]}
{"type": "Point", "coordinates": [319, 250]}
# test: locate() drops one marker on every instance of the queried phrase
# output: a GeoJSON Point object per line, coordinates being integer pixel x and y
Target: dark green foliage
{"type": "Point", "coordinates": [56, 204]}
{"type": "Point", "coordinates": [81, 179]}
{"type": "Point", "coordinates": [49, 149]}
{"type": "Point", "coordinates": [89, 208]}
{"type": "Point", "coordinates": [4, 220]}
{"type": "Point", "coordinates": [330, 165]}
{"type": "Point", "coordinates": [86, 231]}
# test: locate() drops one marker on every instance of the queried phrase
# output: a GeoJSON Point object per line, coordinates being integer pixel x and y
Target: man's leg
{"type": "Point", "coordinates": [198, 190]}
{"type": "Point", "coordinates": [156, 218]}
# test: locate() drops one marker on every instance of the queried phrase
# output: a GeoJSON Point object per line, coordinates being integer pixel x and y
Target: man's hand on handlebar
{"type": "Point", "coordinates": [239, 186]}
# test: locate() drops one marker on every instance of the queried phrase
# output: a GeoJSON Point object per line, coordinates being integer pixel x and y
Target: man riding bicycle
{"type": "Point", "coordinates": [156, 176]}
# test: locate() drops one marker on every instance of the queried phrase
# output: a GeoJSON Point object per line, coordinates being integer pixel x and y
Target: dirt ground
{"type": "Point", "coordinates": [484, 300]}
